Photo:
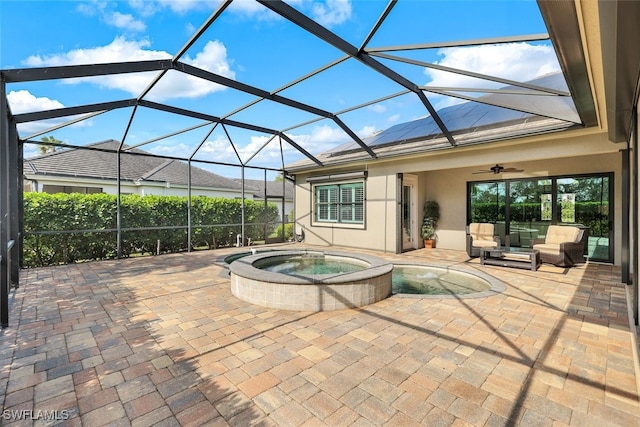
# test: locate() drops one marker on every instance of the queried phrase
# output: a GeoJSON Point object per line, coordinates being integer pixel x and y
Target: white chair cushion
{"type": "Point", "coordinates": [481, 231]}
{"type": "Point", "coordinates": [548, 248]}
{"type": "Point", "coordinates": [484, 244]}
{"type": "Point", "coordinates": [557, 234]}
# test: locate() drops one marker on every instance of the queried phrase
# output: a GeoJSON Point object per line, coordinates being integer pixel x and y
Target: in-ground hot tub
{"type": "Point", "coordinates": [308, 280]}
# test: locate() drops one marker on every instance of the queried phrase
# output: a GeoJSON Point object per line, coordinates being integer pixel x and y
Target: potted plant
{"type": "Point", "coordinates": [431, 215]}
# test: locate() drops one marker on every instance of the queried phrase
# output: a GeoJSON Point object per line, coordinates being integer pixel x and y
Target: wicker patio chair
{"type": "Point", "coordinates": [480, 235]}
{"type": "Point", "coordinates": [562, 246]}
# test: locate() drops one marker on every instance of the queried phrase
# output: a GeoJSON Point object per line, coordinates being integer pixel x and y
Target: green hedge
{"type": "Point", "coordinates": [214, 224]}
{"type": "Point", "coordinates": [586, 213]}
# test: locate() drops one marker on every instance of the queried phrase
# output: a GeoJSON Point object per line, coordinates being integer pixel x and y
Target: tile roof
{"type": "Point", "coordinates": [97, 164]}
{"type": "Point", "coordinates": [274, 188]}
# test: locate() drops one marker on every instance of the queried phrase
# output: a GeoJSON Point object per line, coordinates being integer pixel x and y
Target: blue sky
{"type": "Point", "coordinates": [253, 45]}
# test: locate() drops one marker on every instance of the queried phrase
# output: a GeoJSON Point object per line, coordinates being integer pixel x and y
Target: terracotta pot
{"type": "Point", "coordinates": [429, 243]}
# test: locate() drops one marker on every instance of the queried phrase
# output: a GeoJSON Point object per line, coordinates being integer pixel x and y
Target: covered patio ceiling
{"type": "Point", "coordinates": [281, 107]}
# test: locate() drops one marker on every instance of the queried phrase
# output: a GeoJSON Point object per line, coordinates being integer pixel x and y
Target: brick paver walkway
{"type": "Point", "coordinates": [162, 341]}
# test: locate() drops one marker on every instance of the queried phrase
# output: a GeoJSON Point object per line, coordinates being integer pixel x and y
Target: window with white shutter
{"type": "Point", "coordinates": [340, 203]}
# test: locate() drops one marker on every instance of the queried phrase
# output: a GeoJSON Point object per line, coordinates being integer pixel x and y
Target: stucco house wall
{"type": "Point", "coordinates": [380, 221]}
{"type": "Point", "coordinates": [443, 177]}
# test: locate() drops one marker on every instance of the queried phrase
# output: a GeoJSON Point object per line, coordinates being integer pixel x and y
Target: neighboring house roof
{"type": "Point", "coordinates": [522, 113]}
{"type": "Point", "coordinates": [274, 188]}
{"type": "Point", "coordinates": [95, 164]}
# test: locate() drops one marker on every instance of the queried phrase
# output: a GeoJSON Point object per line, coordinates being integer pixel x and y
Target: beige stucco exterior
{"type": "Point", "coordinates": [443, 176]}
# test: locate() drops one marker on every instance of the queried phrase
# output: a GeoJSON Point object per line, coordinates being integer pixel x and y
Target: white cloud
{"type": "Point", "coordinates": [190, 29]}
{"type": "Point", "coordinates": [113, 18]}
{"type": "Point", "coordinates": [248, 7]}
{"type": "Point", "coordinates": [144, 7]}
{"type": "Point", "coordinates": [366, 131]}
{"type": "Point", "coordinates": [331, 12]}
{"type": "Point", "coordinates": [268, 155]}
{"type": "Point", "coordinates": [23, 101]}
{"type": "Point", "coordinates": [241, 7]}
{"type": "Point", "coordinates": [212, 58]}
{"type": "Point", "coordinates": [321, 138]}
{"type": "Point", "coordinates": [124, 21]}
{"type": "Point", "coordinates": [91, 8]}
{"type": "Point", "coordinates": [173, 149]}
{"type": "Point", "coordinates": [513, 61]}
{"type": "Point", "coordinates": [119, 50]}
{"type": "Point", "coordinates": [218, 149]}
{"type": "Point", "coordinates": [377, 108]}
{"type": "Point", "coordinates": [148, 7]}
{"type": "Point", "coordinates": [183, 6]}
{"type": "Point", "coordinates": [393, 118]}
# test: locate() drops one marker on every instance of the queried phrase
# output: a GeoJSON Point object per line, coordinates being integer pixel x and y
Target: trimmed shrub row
{"type": "Point", "coordinates": [586, 213]}
{"type": "Point", "coordinates": [215, 223]}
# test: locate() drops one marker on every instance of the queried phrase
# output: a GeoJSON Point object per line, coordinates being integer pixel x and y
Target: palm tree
{"type": "Point", "coordinates": [44, 149]}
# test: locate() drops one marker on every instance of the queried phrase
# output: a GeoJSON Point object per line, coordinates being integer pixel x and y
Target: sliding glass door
{"type": "Point", "coordinates": [523, 209]}
{"type": "Point", "coordinates": [585, 200]}
{"type": "Point", "coordinates": [530, 210]}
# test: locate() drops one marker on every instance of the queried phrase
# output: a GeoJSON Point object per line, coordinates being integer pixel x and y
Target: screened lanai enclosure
{"type": "Point", "coordinates": [257, 86]}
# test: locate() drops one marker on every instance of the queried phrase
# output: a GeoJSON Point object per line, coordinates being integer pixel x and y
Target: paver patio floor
{"type": "Point", "coordinates": [162, 341]}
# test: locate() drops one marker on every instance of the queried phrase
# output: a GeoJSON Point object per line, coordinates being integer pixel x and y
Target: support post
{"type": "Point", "coordinates": [14, 180]}
{"type": "Point", "coordinates": [4, 205]}
{"type": "Point", "coordinates": [118, 207]}
{"type": "Point", "coordinates": [242, 195]}
{"type": "Point", "coordinates": [20, 204]}
{"type": "Point", "coordinates": [626, 209]}
{"type": "Point", "coordinates": [285, 219]}
{"type": "Point", "coordinates": [634, 201]}
{"type": "Point", "coordinates": [399, 201]}
{"type": "Point", "coordinates": [266, 205]}
{"type": "Point", "coordinates": [189, 206]}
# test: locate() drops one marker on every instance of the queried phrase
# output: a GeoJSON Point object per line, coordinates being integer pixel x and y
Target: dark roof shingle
{"type": "Point", "coordinates": [98, 164]}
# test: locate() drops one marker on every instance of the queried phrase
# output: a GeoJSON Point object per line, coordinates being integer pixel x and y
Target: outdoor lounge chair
{"type": "Point", "coordinates": [480, 235]}
{"type": "Point", "coordinates": [563, 245]}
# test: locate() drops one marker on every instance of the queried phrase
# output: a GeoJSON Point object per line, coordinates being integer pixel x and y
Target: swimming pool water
{"type": "Point", "coordinates": [427, 280]}
{"type": "Point", "coordinates": [303, 265]}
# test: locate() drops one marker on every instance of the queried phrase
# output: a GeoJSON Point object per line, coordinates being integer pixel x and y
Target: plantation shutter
{"type": "Point", "coordinates": [346, 198]}
{"type": "Point", "coordinates": [340, 203]}
{"type": "Point", "coordinates": [326, 203]}
{"type": "Point", "coordinates": [359, 203]}
{"type": "Point", "coordinates": [333, 204]}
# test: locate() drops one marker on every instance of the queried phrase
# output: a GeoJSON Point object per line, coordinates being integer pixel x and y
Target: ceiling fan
{"type": "Point", "coordinates": [499, 169]}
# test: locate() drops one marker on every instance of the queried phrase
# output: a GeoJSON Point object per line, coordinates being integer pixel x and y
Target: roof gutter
{"type": "Point", "coordinates": [620, 37]}
{"type": "Point", "coordinates": [563, 25]}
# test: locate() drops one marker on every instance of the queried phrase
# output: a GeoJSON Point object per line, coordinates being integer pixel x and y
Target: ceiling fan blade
{"type": "Point", "coordinates": [498, 169]}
